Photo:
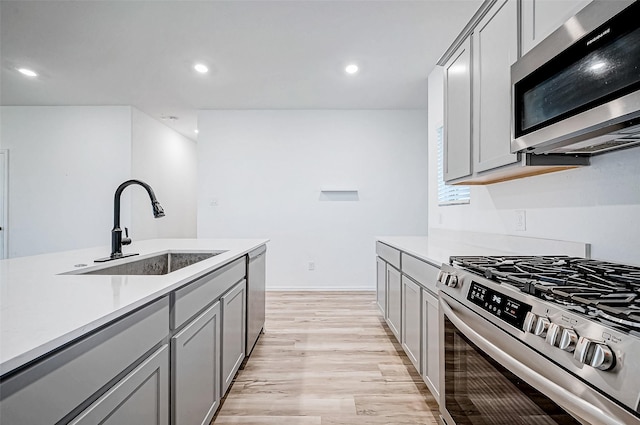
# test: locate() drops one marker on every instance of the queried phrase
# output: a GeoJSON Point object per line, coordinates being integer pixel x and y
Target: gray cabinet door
{"type": "Point", "coordinates": [411, 321]}
{"type": "Point", "coordinates": [430, 343]}
{"type": "Point", "coordinates": [195, 361]}
{"type": "Point", "coordinates": [381, 284]}
{"type": "Point", "coordinates": [234, 315]}
{"type": "Point", "coordinates": [457, 117]}
{"type": "Point", "coordinates": [495, 49]}
{"type": "Point", "coordinates": [141, 397]}
{"type": "Point", "coordinates": [394, 301]}
{"type": "Point", "coordinates": [541, 17]}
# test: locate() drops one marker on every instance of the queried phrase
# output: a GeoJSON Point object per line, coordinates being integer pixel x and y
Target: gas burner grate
{"type": "Point", "coordinates": [603, 289]}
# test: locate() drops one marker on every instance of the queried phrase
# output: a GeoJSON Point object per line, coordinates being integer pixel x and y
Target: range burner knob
{"type": "Point", "coordinates": [452, 281]}
{"type": "Point", "coordinates": [568, 340]}
{"type": "Point", "coordinates": [529, 322]}
{"type": "Point", "coordinates": [603, 357]}
{"type": "Point", "coordinates": [553, 335]}
{"type": "Point", "coordinates": [542, 324]}
{"type": "Point", "coordinates": [593, 354]}
{"type": "Point", "coordinates": [442, 276]}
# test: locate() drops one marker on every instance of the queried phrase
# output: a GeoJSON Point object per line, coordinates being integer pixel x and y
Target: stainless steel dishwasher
{"type": "Point", "coordinates": [256, 276]}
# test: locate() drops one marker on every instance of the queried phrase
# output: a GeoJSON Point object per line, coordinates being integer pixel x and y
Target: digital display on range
{"type": "Point", "coordinates": [508, 309]}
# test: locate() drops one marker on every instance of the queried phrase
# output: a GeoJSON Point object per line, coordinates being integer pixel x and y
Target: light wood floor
{"type": "Point", "coordinates": [327, 358]}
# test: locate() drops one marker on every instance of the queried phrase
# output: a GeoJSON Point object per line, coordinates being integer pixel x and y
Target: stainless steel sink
{"type": "Point", "coordinates": [160, 264]}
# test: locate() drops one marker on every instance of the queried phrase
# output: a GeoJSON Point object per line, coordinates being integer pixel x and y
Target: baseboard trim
{"type": "Point", "coordinates": [277, 288]}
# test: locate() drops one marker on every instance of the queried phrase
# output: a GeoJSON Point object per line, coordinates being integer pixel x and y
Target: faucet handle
{"type": "Point", "coordinates": [126, 240]}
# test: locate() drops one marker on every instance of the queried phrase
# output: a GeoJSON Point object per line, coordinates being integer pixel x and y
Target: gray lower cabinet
{"type": "Point", "coordinates": [234, 315]}
{"type": "Point", "coordinates": [64, 384]}
{"type": "Point", "coordinates": [430, 343]}
{"type": "Point", "coordinates": [126, 373]}
{"type": "Point", "coordinates": [381, 284]}
{"type": "Point", "coordinates": [408, 292]}
{"type": "Point", "coordinates": [195, 374]}
{"type": "Point", "coordinates": [411, 321]}
{"type": "Point", "coordinates": [141, 397]}
{"type": "Point", "coordinates": [394, 300]}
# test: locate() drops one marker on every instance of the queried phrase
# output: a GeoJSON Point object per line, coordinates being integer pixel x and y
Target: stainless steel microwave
{"type": "Point", "coordinates": [578, 91]}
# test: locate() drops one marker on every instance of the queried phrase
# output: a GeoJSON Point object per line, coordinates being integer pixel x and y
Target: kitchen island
{"type": "Point", "coordinates": [61, 330]}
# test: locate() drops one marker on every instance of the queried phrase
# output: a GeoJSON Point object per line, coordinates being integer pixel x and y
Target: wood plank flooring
{"type": "Point", "coordinates": [327, 358]}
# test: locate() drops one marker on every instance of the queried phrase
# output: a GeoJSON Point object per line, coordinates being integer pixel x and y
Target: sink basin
{"type": "Point", "coordinates": [160, 264]}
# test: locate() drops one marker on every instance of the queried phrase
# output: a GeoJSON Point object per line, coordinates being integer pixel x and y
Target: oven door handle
{"type": "Point", "coordinates": [564, 398]}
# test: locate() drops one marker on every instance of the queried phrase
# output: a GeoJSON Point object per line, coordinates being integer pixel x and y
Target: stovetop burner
{"type": "Point", "coordinates": [600, 289]}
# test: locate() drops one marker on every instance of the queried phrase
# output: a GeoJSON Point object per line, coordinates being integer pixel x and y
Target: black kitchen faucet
{"type": "Point", "coordinates": [116, 233]}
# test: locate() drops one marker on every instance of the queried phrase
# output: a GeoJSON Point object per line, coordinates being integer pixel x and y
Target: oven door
{"type": "Point", "coordinates": [488, 377]}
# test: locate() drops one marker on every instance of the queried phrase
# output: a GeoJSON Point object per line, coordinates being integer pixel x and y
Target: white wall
{"type": "Point", "coordinates": [167, 161]}
{"type": "Point", "coordinates": [65, 163]}
{"type": "Point", "coordinates": [599, 204]}
{"type": "Point", "coordinates": [260, 175]}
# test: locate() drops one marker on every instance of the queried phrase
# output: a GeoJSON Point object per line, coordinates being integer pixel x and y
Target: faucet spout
{"type": "Point", "coordinates": [116, 232]}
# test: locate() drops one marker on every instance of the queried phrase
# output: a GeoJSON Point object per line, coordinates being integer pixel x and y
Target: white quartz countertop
{"type": "Point", "coordinates": [42, 309]}
{"type": "Point", "coordinates": [440, 245]}
{"type": "Point", "coordinates": [436, 251]}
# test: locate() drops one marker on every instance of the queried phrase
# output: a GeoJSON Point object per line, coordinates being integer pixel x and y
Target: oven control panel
{"type": "Point", "coordinates": [505, 308]}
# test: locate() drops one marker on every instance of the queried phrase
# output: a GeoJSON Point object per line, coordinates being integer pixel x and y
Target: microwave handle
{"type": "Point", "coordinates": [564, 398]}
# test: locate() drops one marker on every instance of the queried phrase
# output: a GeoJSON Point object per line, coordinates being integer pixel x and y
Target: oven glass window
{"type": "Point", "coordinates": [479, 391]}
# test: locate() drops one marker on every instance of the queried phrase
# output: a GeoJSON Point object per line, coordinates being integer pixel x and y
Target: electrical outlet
{"type": "Point", "coordinates": [312, 266]}
{"type": "Point", "coordinates": [521, 220]}
{"type": "Point", "coordinates": [213, 202]}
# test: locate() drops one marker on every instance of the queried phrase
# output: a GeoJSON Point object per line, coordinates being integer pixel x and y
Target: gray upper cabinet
{"type": "Point", "coordinates": [234, 314]}
{"type": "Point", "coordinates": [477, 91]}
{"type": "Point", "coordinates": [541, 17]}
{"type": "Point", "coordinates": [141, 397]}
{"type": "Point", "coordinates": [457, 117]}
{"type": "Point", "coordinates": [195, 357]}
{"type": "Point", "coordinates": [495, 49]}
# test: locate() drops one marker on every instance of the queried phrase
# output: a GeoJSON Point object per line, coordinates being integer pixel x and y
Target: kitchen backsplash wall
{"type": "Point", "coordinates": [599, 204]}
{"type": "Point", "coordinates": [261, 175]}
{"type": "Point", "coordinates": [65, 163]}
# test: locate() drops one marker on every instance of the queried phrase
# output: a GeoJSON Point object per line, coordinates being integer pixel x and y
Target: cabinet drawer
{"type": "Point", "coordinates": [388, 254]}
{"type": "Point", "coordinates": [194, 297]}
{"type": "Point", "coordinates": [420, 271]}
{"type": "Point", "coordinates": [50, 390]}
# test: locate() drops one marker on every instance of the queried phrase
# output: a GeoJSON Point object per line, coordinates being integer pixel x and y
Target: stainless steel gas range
{"type": "Point", "coordinates": [539, 340]}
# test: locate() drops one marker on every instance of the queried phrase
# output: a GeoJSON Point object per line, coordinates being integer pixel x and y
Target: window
{"type": "Point", "coordinates": [447, 194]}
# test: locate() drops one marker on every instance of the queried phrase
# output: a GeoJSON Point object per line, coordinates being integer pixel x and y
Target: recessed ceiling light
{"type": "Point", "coordinates": [27, 72]}
{"type": "Point", "coordinates": [201, 68]}
{"type": "Point", "coordinates": [351, 69]}
{"type": "Point", "coordinates": [196, 131]}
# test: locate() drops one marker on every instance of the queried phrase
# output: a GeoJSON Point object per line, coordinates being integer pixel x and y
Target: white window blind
{"type": "Point", "coordinates": [447, 194]}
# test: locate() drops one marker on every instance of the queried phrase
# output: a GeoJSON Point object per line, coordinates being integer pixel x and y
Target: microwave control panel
{"type": "Point", "coordinates": [505, 308]}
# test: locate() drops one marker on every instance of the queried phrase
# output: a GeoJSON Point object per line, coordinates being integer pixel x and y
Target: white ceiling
{"type": "Point", "coordinates": [261, 54]}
